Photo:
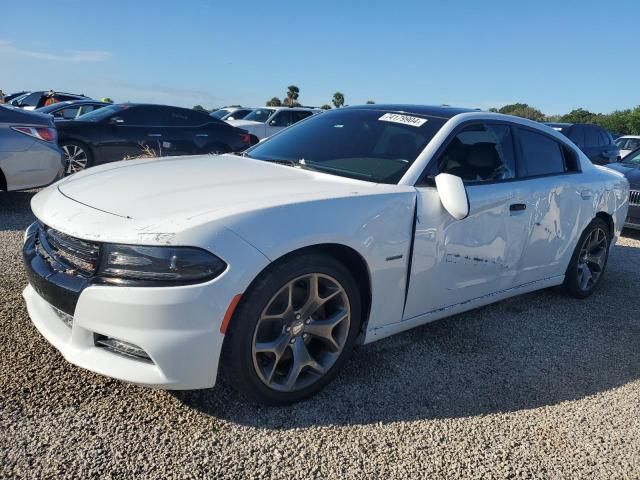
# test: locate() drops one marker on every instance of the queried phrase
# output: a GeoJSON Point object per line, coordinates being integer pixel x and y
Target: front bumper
{"type": "Point", "coordinates": [177, 327]}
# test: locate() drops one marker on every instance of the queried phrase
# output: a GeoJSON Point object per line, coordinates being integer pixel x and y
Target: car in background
{"type": "Point", "coordinates": [72, 109]}
{"type": "Point", "coordinates": [627, 143]}
{"type": "Point", "coordinates": [231, 113]}
{"type": "Point", "coordinates": [265, 121]}
{"type": "Point", "coordinates": [115, 132]}
{"type": "Point", "coordinates": [629, 166]}
{"type": "Point", "coordinates": [29, 154]}
{"type": "Point", "coordinates": [596, 142]}
{"type": "Point", "coordinates": [33, 100]}
{"type": "Point", "coordinates": [11, 96]}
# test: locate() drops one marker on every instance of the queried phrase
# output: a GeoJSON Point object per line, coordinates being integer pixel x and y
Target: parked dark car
{"type": "Point", "coordinates": [117, 131]}
{"type": "Point", "coordinates": [11, 96]}
{"type": "Point", "coordinates": [630, 167]}
{"type": "Point", "coordinates": [72, 109]}
{"type": "Point", "coordinates": [33, 100]}
{"type": "Point", "coordinates": [596, 142]}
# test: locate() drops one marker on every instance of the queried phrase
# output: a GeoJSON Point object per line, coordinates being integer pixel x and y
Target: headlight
{"type": "Point", "coordinates": [130, 264]}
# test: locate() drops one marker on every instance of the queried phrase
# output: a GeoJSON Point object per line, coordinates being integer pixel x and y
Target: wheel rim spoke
{"type": "Point", "coordinates": [323, 329]}
{"type": "Point", "coordinates": [301, 332]}
{"type": "Point", "coordinates": [75, 158]}
{"type": "Point", "coordinates": [593, 257]}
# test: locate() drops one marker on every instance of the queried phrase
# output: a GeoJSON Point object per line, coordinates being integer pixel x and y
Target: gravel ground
{"type": "Point", "coordinates": [538, 386]}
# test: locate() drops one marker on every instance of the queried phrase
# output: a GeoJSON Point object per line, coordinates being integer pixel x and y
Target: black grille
{"type": "Point", "coordinates": [79, 254]}
{"type": "Point", "coordinates": [634, 197]}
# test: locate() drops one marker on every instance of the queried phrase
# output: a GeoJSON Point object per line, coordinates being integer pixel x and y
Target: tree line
{"type": "Point", "coordinates": [621, 122]}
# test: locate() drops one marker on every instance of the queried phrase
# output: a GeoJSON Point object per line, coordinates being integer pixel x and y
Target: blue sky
{"type": "Point", "coordinates": [553, 55]}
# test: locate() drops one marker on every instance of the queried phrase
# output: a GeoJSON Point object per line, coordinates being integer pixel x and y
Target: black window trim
{"type": "Point", "coordinates": [427, 178]}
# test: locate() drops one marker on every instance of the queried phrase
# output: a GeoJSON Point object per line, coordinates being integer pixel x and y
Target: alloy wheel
{"type": "Point", "coordinates": [592, 259]}
{"type": "Point", "coordinates": [301, 332]}
{"type": "Point", "coordinates": [75, 158]}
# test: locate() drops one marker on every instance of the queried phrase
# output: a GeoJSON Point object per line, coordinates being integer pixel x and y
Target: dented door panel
{"type": "Point", "coordinates": [458, 260]}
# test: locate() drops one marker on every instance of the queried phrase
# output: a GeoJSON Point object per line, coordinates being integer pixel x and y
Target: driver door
{"type": "Point", "coordinates": [455, 261]}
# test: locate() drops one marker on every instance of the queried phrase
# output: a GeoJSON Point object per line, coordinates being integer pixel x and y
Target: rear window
{"type": "Point", "coordinates": [371, 145]}
{"type": "Point", "coordinates": [541, 154]}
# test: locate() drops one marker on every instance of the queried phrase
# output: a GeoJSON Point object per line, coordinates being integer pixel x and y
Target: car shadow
{"type": "Point", "coordinates": [16, 210]}
{"type": "Point", "coordinates": [527, 352]}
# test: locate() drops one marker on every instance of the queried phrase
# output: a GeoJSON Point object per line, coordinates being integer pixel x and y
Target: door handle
{"type": "Point", "coordinates": [202, 134]}
{"type": "Point", "coordinates": [155, 135]}
{"type": "Point", "coordinates": [517, 207]}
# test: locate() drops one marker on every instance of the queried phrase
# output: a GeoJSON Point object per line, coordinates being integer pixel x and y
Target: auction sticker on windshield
{"type": "Point", "coordinates": [404, 119]}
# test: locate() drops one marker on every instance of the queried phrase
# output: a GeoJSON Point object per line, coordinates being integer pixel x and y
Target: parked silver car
{"type": "Point", "coordinates": [29, 152]}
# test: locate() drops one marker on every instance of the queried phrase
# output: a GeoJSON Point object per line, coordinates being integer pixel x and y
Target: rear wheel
{"type": "Point", "coordinates": [589, 260]}
{"type": "Point", "coordinates": [76, 157]}
{"type": "Point", "coordinates": [217, 149]}
{"type": "Point", "coordinates": [293, 331]}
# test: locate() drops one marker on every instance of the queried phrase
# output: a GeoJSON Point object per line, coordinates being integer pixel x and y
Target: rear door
{"type": "Point", "coordinates": [550, 182]}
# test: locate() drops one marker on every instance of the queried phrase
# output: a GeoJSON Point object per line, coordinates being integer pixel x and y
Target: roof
{"type": "Point", "coordinates": [427, 110]}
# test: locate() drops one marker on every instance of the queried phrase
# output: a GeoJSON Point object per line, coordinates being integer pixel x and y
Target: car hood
{"type": "Point", "coordinates": [184, 188]}
{"type": "Point", "coordinates": [632, 173]}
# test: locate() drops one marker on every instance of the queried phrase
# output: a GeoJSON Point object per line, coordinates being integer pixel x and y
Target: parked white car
{"type": "Point", "coordinates": [346, 228]}
{"type": "Point", "coordinates": [231, 113]}
{"type": "Point", "coordinates": [264, 122]}
{"type": "Point", "coordinates": [627, 144]}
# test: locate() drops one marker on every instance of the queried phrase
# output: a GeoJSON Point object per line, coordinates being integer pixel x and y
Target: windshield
{"type": "Point", "coordinates": [220, 113]}
{"type": "Point", "coordinates": [259, 115]}
{"type": "Point", "coordinates": [102, 113]}
{"type": "Point", "coordinates": [633, 158]}
{"type": "Point", "coordinates": [374, 145]}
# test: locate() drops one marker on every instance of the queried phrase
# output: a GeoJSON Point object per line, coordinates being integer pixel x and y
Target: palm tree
{"type": "Point", "coordinates": [370, 102]}
{"type": "Point", "coordinates": [326, 107]}
{"type": "Point", "coordinates": [274, 102]}
{"type": "Point", "coordinates": [338, 99]}
{"type": "Point", "coordinates": [292, 96]}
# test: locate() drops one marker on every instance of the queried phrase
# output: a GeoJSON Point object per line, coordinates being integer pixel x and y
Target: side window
{"type": "Point", "coordinates": [282, 119]}
{"type": "Point", "coordinates": [300, 115]}
{"type": "Point", "coordinates": [179, 117]}
{"type": "Point", "coordinates": [606, 137]}
{"type": "Point", "coordinates": [68, 113]}
{"type": "Point", "coordinates": [480, 153]}
{"type": "Point", "coordinates": [591, 137]}
{"type": "Point", "coordinates": [142, 116]}
{"type": "Point", "coordinates": [541, 154]}
{"type": "Point", "coordinates": [31, 100]}
{"type": "Point", "coordinates": [576, 135]}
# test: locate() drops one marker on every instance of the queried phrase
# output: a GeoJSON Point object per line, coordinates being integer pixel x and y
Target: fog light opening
{"type": "Point", "coordinates": [122, 348]}
{"type": "Point", "coordinates": [65, 317]}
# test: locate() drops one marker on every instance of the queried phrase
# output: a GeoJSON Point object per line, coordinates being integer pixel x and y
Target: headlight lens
{"type": "Point", "coordinates": [158, 265]}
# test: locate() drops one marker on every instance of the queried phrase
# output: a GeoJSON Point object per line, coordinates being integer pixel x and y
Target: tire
{"type": "Point", "coordinates": [589, 260]}
{"type": "Point", "coordinates": [77, 156]}
{"type": "Point", "coordinates": [216, 149]}
{"type": "Point", "coordinates": [302, 354]}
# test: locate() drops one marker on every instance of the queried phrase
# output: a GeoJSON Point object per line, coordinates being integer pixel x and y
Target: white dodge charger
{"type": "Point", "coordinates": [346, 228]}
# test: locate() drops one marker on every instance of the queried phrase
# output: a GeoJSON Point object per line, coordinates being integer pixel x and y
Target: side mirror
{"type": "Point", "coordinates": [453, 195]}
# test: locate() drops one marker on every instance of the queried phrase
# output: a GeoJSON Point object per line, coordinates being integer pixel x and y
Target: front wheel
{"type": "Point", "coordinates": [589, 260]}
{"type": "Point", "coordinates": [293, 331]}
